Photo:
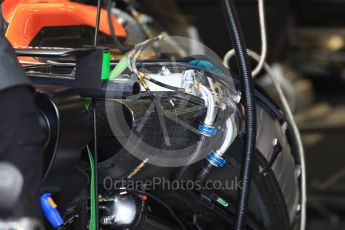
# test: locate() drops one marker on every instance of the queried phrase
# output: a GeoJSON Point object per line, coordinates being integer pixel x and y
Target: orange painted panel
{"type": "Point", "coordinates": [27, 17]}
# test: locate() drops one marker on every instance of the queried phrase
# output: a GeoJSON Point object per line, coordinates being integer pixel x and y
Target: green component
{"type": "Point", "coordinates": [87, 102]}
{"type": "Point", "coordinates": [106, 66]}
{"type": "Point", "coordinates": [120, 67]}
{"type": "Point", "coordinates": [93, 198]}
{"type": "Point", "coordinates": [222, 202]}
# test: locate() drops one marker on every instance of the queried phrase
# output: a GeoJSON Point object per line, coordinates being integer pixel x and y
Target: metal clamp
{"type": "Point", "coordinates": [216, 160]}
{"type": "Point", "coordinates": [207, 130]}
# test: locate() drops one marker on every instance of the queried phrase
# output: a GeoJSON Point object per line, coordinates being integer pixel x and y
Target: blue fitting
{"type": "Point", "coordinates": [207, 130]}
{"type": "Point", "coordinates": [50, 212]}
{"type": "Point", "coordinates": [216, 160]}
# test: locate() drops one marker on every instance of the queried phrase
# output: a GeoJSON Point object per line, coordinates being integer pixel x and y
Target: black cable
{"type": "Point", "coordinates": [165, 205]}
{"type": "Point", "coordinates": [95, 152]}
{"type": "Point", "coordinates": [242, 59]}
{"type": "Point", "coordinates": [166, 86]}
{"type": "Point", "coordinates": [98, 19]}
{"type": "Point", "coordinates": [118, 44]}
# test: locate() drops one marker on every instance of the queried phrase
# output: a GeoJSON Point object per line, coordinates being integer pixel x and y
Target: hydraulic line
{"type": "Point", "coordinates": [135, 54]}
{"type": "Point", "coordinates": [166, 86]}
{"type": "Point", "coordinates": [206, 128]}
{"type": "Point", "coordinates": [215, 159]}
{"type": "Point", "coordinates": [239, 45]}
{"type": "Point", "coordinates": [229, 135]}
{"type": "Point", "coordinates": [98, 19]}
{"type": "Point", "coordinates": [211, 106]}
{"type": "Point", "coordinates": [117, 43]}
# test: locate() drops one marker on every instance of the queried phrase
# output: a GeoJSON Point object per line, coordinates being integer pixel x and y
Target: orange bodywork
{"type": "Point", "coordinates": [27, 17]}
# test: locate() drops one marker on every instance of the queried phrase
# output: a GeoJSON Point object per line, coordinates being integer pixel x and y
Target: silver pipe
{"type": "Point", "coordinates": [229, 136]}
{"type": "Point", "coordinates": [210, 104]}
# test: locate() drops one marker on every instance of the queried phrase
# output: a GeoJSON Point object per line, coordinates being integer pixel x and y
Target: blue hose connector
{"type": "Point", "coordinates": [50, 212]}
{"type": "Point", "coordinates": [216, 160]}
{"type": "Point", "coordinates": [207, 130]}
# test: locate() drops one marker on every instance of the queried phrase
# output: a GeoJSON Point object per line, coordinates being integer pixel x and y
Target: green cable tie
{"type": "Point", "coordinates": [106, 66]}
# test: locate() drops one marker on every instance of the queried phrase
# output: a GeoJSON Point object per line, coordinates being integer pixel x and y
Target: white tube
{"type": "Point", "coordinates": [263, 35]}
